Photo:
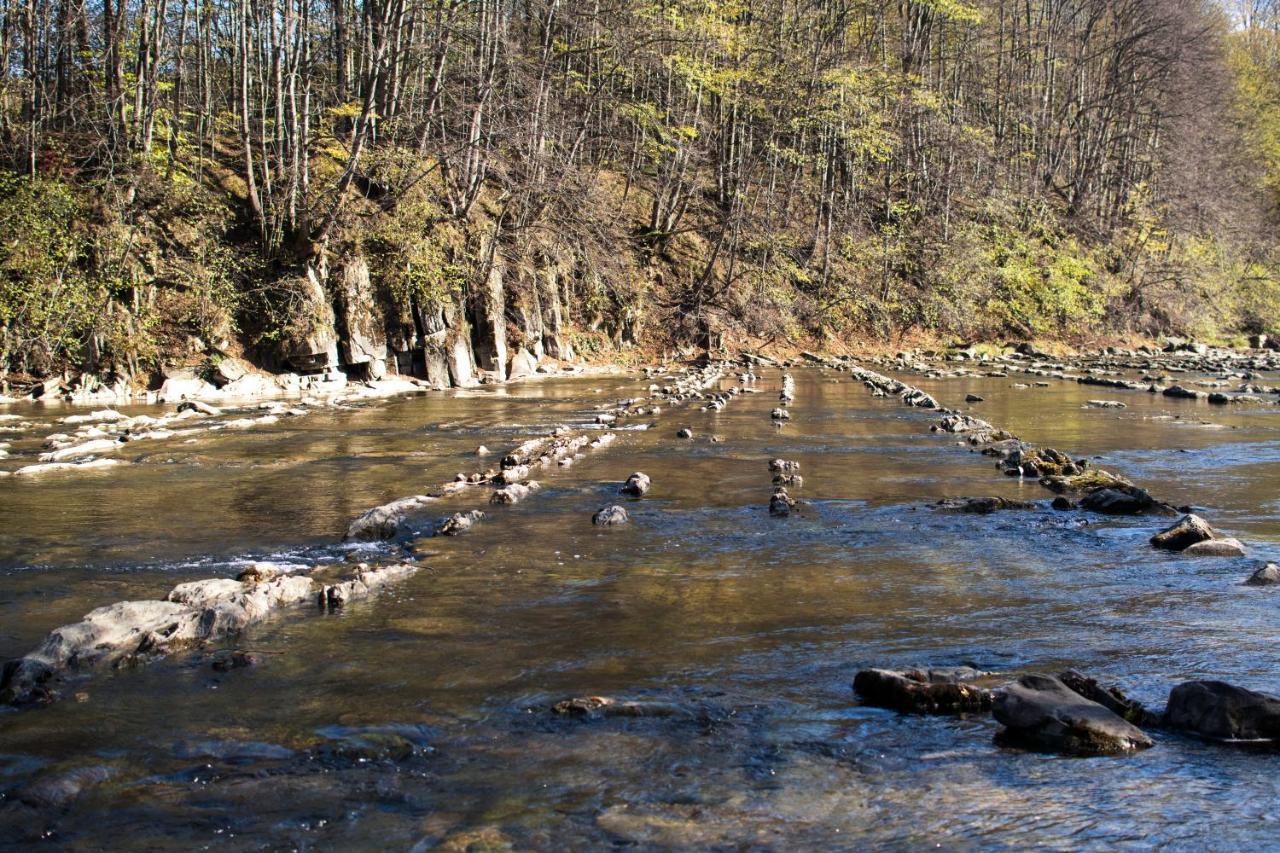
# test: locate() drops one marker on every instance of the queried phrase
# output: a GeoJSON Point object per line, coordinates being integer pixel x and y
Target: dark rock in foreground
{"type": "Point", "coordinates": [916, 691]}
{"type": "Point", "coordinates": [1041, 712]}
{"type": "Point", "coordinates": [1222, 711]}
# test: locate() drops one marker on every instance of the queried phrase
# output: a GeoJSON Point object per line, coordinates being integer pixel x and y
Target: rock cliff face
{"type": "Point", "coordinates": [501, 329]}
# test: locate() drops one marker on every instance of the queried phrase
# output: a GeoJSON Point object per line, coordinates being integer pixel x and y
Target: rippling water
{"type": "Point", "coordinates": [421, 717]}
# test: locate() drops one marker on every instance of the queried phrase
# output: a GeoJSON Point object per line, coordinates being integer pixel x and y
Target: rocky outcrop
{"type": "Point", "coordinates": [523, 364]}
{"type": "Point", "coordinates": [513, 493]}
{"type": "Point", "coordinates": [930, 691]}
{"type": "Point", "coordinates": [311, 342]}
{"type": "Point", "coordinates": [363, 330]}
{"type": "Point", "coordinates": [1042, 712]}
{"type": "Point", "coordinates": [489, 322]}
{"type": "Point", "coordinates": [1222, 711]}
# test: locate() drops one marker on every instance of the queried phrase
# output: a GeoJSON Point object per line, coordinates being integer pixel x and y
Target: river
{"type": "Point", "coordinates": [420, 717]}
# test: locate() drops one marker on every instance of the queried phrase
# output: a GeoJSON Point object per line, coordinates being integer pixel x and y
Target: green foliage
{"type": "Point", "coordinates": [47, 304]}
{"type": "Point", "coordinates": [1044, 283]}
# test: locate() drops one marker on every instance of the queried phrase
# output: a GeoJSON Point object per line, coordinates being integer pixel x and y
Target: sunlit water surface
{"type": "Point", "coordinates": [421, 717]}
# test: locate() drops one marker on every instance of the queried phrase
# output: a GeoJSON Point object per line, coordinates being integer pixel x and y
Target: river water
{"type": "Point", "coordinates": [421, 717]}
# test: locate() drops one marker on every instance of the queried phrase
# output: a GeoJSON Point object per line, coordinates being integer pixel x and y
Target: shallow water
{"type": "Point", "coordinates": [420, 717]}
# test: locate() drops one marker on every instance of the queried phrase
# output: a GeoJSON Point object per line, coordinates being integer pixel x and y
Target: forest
{"type": "Point", "coordinates": [327, 184]}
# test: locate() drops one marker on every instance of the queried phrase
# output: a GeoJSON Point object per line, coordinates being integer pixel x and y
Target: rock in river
{"type": "Point", "coordinates": [917, 691]}
{"type": "Point", "coordinates": [1216, 548]}
{"type": "Point", "coordinates": [1187, 531]}
{"type": "Point", "coordinates": [383, 522]}
{"type": "Point", "coordinates": [636, 485]}
{"type": "Point", "coordinates": [1041, 711]}
{"type": "Point", "coordinates": [459, 522]}
{"type": "Point", "coordinates": [610, 516]}
{"type": "Point", "coordinates": [1268, 575]}
{"type": "Point", "coordinates": [1222, 711]}
{"type": "Point", "coordinates": [781, 503]}
{"type": "Point", "coordinates": [981, 506]}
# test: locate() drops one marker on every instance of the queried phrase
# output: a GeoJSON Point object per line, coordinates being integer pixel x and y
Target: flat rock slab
{"type": "Point", "coordinates": [1042, 712]}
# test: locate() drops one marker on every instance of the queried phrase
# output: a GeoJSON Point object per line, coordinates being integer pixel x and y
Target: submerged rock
{"type": "Point", "coordinates": [1268, 575]}
{"type": "Point", "coordinates": [982, 505]}
{"type": "Point", "coordinates": [604, 706]}
{"type": "Point", "coordinates": [636, 485]}
{"type": "Point", "coordinates": [56, 790]}
{"type": "Point", "coordinates": [916, 691]}
{"type": "Point", "coordinates": [1041, 711]}
{"type": "Point", "coordinates": [1185, 532]}
{"type": "Point", "coordinates": [1222, 711]}
{"type": "Point", "coordinates": [684, 432]}
{"type": "Point", "coordinates": [610, 516]}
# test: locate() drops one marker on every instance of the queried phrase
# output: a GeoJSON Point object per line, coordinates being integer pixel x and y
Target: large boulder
{"type": "Point", "coordinates": [179, 389]}
{"type": "Point", "coordinates": [1040, 711]}
{"type": "Point", "coordinates": [917, 691]}
{"type": "Point", "coordinates": [1187, 531]}
{"type": "Point", "coordinates": [523, 364]}
{"type": "Point", "coordinates": [1222, 711]}
{"type": "Point", "coordinates": [228, 369]}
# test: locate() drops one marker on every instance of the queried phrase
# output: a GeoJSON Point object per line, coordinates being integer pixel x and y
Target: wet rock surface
{"type": "Point", "coordinates": [1222, 711]}
{"type": "Point", "coordinates": [932, 691]}
{"type": "Point", "coordinates": [610, 516]}
{"type": "Point", "coordinates": [1042, 712]}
